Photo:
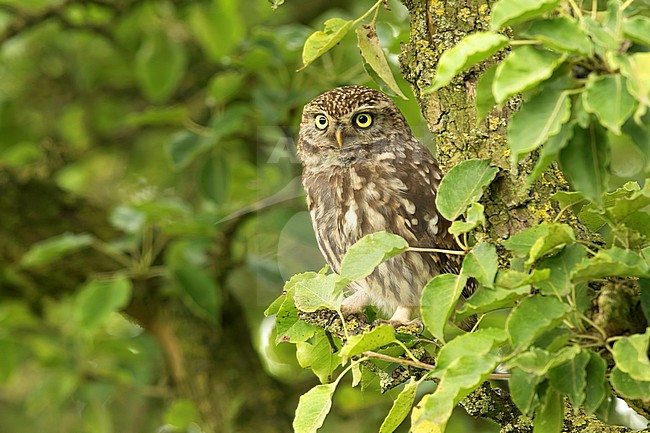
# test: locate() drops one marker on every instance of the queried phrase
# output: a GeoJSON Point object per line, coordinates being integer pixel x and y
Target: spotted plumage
{"type": "Point", "coordinates": [363, 172]}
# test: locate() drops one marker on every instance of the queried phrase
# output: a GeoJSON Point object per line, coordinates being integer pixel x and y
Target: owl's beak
{"type": "Point", "coordinates": [339, 137]}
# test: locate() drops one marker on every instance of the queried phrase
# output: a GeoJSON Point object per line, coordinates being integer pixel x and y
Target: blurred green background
{"type": "Point", "coordinates": [142, 136]}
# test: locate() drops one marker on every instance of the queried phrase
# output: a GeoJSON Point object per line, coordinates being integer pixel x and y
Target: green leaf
{"type": "Point", "coordinates": [377, 337]}
{"type": "Point", "coordinates": [523, 390]}
{"type": "Point", "coordinates": [486, 299]}
{"type": "Point", "coordinates": [313, 407]}
{"type": "Point", "coordinates": [317, 354]}
{"type": "Point", "coordinates": [321, 291]}
{"type": "Point", "coordinates": [468, 52]}
{"type": "Point", "coordinates": [607, 97]}
{"type": "Point", "coordinates": [524, 68]}
{"type": "Point", "coordinates": [370, 251]}
{"type": "Point", "coordinates": [478, 343]}
{"type": "Point", "coordinates": [199, 292]}
{"type": "Point", "coordinates": [509, 12]}
{"type": "Point", "coordinates": [570, 377]}
{"type": "Point", "coordinates": [568, 198]}
{"type": "Point", "coordinates": [289, 327]}
{"type": "Point", "coordinates": [614, 262]}
{"type": "Point", "coordinates": [400, 409]}
{"type": "Point", "coordinates": [627, 386]}
{"type": "Point", "coordinates": [521, 243]}
{"type": "Point", "coordinates": [219, 28]}
{"type": "Point", "coordinates": [484, 98]}
{"type": "Point", "coordinates": [560, 33]}
{"type": "Point", "coordinates": [631, 356]}
{"type": "Point", "coordinates": [371, 51]}
{"type": "Point", "coordinates": [596, 389]}
{"type": "Point", "coordinates": [224, 86]}
{"type": "Point", "coordinates": [511, 279]}
{"type": "Point", "coordinates": [554, 237]}
{"type": "Point", "coordinates": [638, 84]}
{"type": "Point", "coordinates": [551, 150]}
{"type": "Point", "coordinates": [475, 216]}
{"type": "Point", "coordinates": [421, 425]}
{"type": "Point", "coordinates": [44, 252]}
{"type": "Point", "coordinates": [481, 263]}
{"type": "Point", "coordinates": [275, 305]}
{"type": "Point", "coordinates": [532, 317]}
{"type": "Point", "coordinates": [439, 298]}
{"type": "Point", "coordinates": [561, 266]}
{"type": "Point", "coordinates": [538, 361]}
{"type": "Point", "coordinates": [214, 178]}
{"type": "Point", "coordinates": [462, 186]}
{"type": "Point", "coordinates": [98, 299]}
{"type": "Point", "coordinates": [183, 148]}
{"type": "Point", "coordinates": [460, 378]}
{"type": "Point", "coordinates": [549, 415]}
{"type": "Point", "coordinates": [319, 42]}
{"type": "Point", "coordinates": [637, 29]}
{"type": "Point", "coordinates": [585, 161]}
{"type": "Point", "coordinates": [539, 118]}
{"type": "Point", "coordinates": [160, 64]}
{"type": "Point", "coordinates": [181, 414]}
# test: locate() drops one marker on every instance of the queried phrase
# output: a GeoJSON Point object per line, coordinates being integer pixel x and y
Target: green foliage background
{"type": "Point", "coordinates": [146, 161]}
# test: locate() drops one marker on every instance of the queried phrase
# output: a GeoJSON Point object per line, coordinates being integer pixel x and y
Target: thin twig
{"type": "Point", "coordinates": [436, 250]}
{"type": "Point", "coordinates": [423, 365]}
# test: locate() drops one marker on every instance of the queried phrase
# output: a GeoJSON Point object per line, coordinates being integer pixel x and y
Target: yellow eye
{"type": "Point", "coordinates": [321, 121]}
{"type": "Point", "coordinates": [363, 120]}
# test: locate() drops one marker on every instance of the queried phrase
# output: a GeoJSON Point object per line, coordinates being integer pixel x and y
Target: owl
{"type": "Point", "coordinates": [364, 172]}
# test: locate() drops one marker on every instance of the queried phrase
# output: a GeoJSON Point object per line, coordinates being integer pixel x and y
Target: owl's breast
{"type": "Point", "coordinates": [349, 201]}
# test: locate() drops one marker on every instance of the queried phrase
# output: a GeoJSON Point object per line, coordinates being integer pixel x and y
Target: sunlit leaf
{"type": "Point", "coordinates": [627, 386]}
{"type": "Point", "coordinates": [631, 356]}
{"type": "Point", "coordinates": [561, 266]}
{"type": "Point", "coordinates": [481, 263]}
{"type": "Point", "coordinates": [322, 41]}
{"type": "Point", "coordinates": [400, 409]}
{"type": "Point", "coordinates": [377, 337]}
{"type": "Point", "coordinates": [374, 55]}
{"type": "Point", "coordinates": [317, 354]}
{"type": "Point", "coordinates": [611, 262]}
{"type": "Point", "coordinates": [313, 407]}
{"type": "Point", "coordinates": [524, 68]}
{"type": "Point", "coordinates": [474, 216]}
{"type": "Point", "coordinates": [439, 297]}
{"type": "Point", "coordinates": [477, 343]}
{"type": "Point", "coordinates": [637, 29]}
{"type": "Point", "coordinates": [321, 291]}
{"type": "Point", "coordinates": [469, 51]}
{"type": "Point", "coordinates": [370, 251]}
{"type": "Point", "coordinates": [509, 12]}
{"type": "Point", "coordinates": [462, 186]}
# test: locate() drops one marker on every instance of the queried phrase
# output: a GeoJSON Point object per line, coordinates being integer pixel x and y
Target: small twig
{"type": "Point", "coordinates": [417, 364]}
{"type": "Point", "coordinates": [436, 250]}
{"type": "Point", "coordinates": [423, 365]}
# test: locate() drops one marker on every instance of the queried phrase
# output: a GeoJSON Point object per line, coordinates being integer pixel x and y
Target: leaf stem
{"type": "Point", "coordinates": [363, 17]}
{"type": "Point", "coordinates": [436, 250]}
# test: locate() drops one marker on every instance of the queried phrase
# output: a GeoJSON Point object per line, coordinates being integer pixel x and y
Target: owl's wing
{"type": "Point", "coordinates": [423, 223]}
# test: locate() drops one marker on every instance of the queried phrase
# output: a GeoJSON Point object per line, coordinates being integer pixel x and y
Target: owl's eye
{"type": "Point", "coordinates": [363, 120]}
{"type": "Point", "coordinates": [321, 121]}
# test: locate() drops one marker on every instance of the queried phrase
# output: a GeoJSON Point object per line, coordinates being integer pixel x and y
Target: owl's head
{"type": "Point", "coordinates": [348, 120]}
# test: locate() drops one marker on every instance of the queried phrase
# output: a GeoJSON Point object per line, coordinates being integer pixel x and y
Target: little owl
{"type": "Point", "coordinates": [364, 172]}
